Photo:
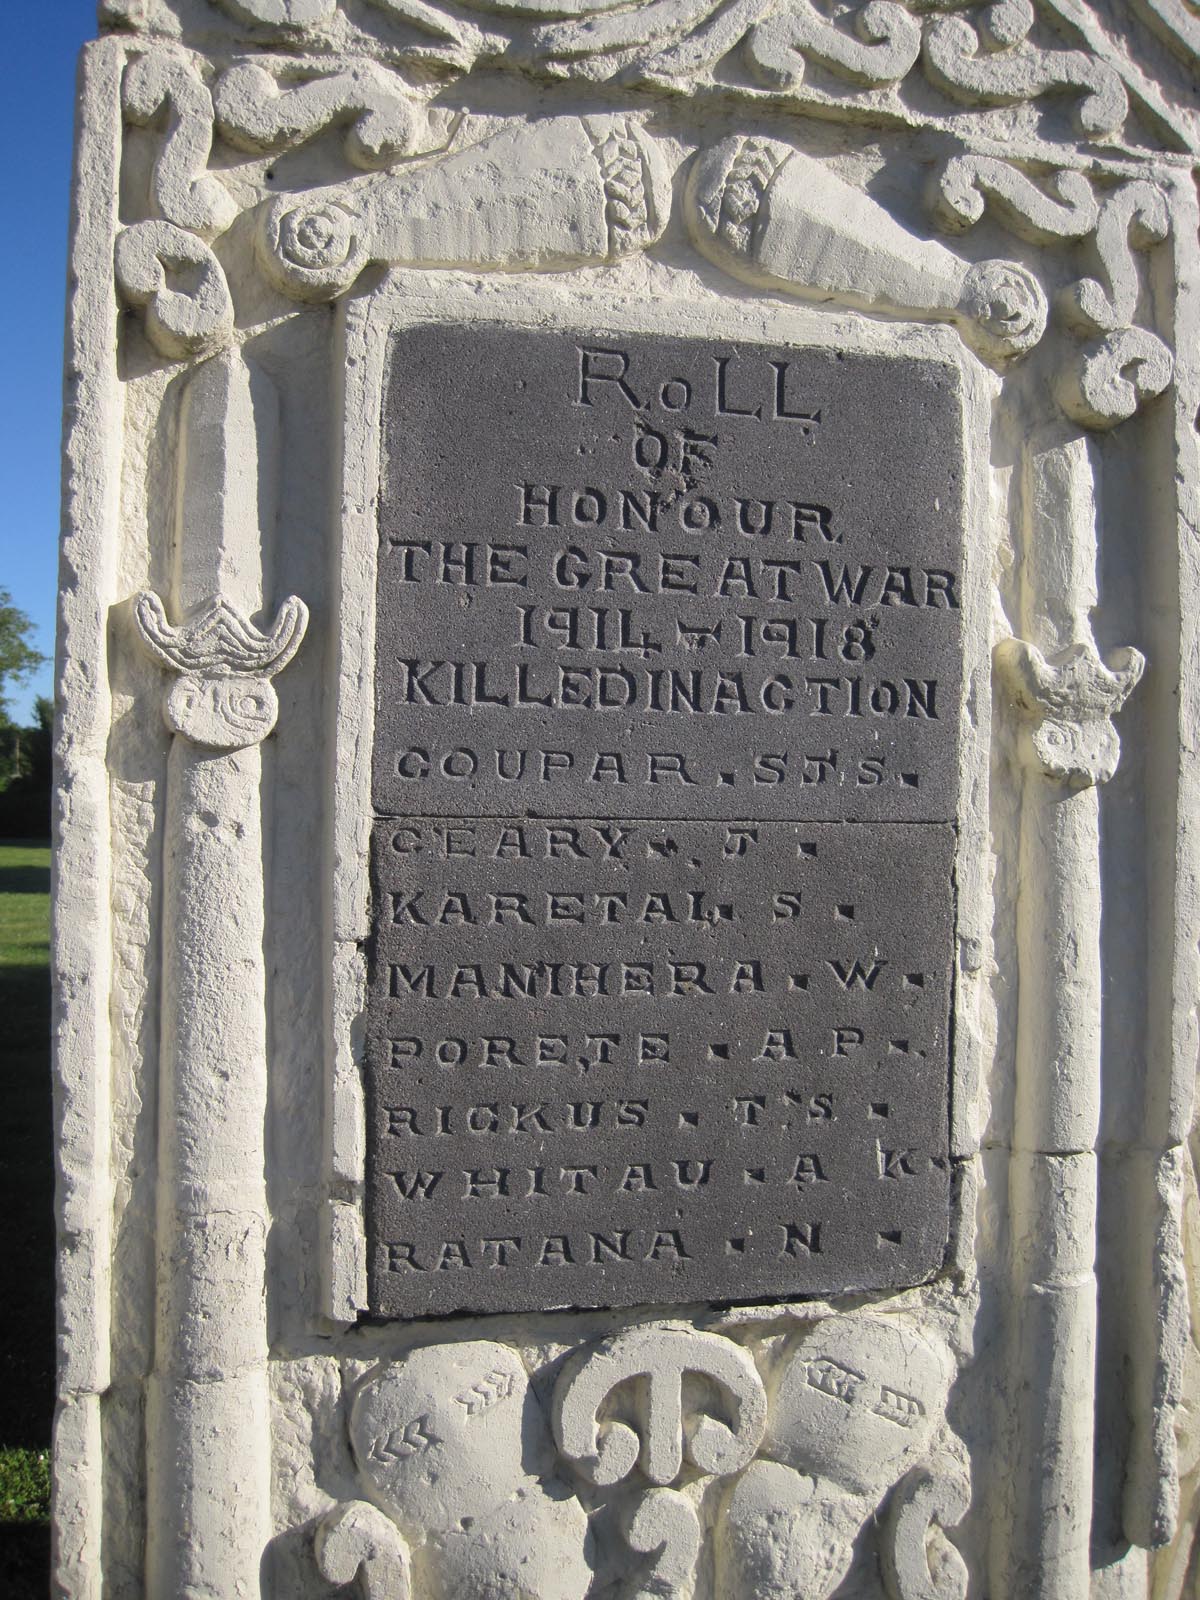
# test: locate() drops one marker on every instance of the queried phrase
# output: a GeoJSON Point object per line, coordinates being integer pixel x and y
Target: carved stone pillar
{"type": "Point", "coordinates": [1065, 695]}
{"type": "Point", "coordinates": [208, 1516]}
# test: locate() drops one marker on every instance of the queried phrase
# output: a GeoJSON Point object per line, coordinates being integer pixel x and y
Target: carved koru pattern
{"type": "Point", "coordinates": [223, 697]}
{"type": "Point", "coordinates": [270, 105]}
{"type": "Point", "coordinates": [151, 259]}
{"type": "Point", "coordinates": [1121, 365]}
{"type": "Point", "coordinates": [990, 60]}
{"type": "Point", "coordinates": [918, 1562]}
{"type": "Point", "coordinates": [992, 56]}
{"type": "Point", "coordinates": [1067, 702]}
{"type": "Point", "coordinates": [660, 1358]}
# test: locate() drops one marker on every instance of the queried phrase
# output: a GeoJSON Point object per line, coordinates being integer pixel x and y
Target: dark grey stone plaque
{"type": "Point", "coordinates": [587, 608]}
{"type": "Point", "coordinates": [667, 683]}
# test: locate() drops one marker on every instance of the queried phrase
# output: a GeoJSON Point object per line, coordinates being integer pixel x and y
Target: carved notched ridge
{"type": "Point", "coordinates": [217, 640]}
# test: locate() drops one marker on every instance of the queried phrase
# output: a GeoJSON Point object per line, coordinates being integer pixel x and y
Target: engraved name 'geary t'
{"type": "Point", "coordinates": [668, 671]}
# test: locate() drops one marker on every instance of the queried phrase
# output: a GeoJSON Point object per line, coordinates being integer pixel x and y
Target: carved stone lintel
{"type": "Point", "coordinates": [223, 698]}
{"type": "Point", "coordinates": [1067, 702]}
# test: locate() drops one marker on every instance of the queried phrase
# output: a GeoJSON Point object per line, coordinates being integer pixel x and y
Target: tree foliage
{"type": "Point", "coordinates": [19, 659]}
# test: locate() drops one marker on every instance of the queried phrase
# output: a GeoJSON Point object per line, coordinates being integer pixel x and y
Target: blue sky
{"type": "Point", "coordinates": [38, 109]}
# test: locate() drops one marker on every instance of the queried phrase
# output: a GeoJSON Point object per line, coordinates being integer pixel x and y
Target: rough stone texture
{"type": "Point", "coordinates": [280, 203]}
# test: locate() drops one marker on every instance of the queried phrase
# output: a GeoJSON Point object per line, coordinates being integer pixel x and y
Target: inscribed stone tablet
{"type": "Point", "coordinates": [667, 687]}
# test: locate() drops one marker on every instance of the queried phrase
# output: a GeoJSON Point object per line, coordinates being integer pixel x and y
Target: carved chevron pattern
{"type": "Point", "coordinates": [217, 639]}
{"type": "Point", "coordinates": [488, 1392]}
{"type": "Point", "coordinates": [401, 1443]}
{"type": "Point", "coordinates": [625, 210]}
{"type": "Point", "coordinates": [750, 177]}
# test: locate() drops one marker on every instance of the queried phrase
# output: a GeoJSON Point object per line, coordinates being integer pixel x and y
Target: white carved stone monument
{"type": "Point", "coordinates": [625, 1025]}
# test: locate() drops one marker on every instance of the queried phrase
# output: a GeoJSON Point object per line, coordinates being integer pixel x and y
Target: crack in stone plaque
{"type": "Point", "coordinates": [668, 674]}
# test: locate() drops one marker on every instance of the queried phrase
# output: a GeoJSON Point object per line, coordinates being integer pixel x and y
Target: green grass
{"type": "Point", "coordinates": [24, 1485]}
{"type": "Point", "coordinates": [26, 1202]}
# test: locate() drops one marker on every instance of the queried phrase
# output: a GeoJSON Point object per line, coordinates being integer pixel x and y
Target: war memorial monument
{"type": "Point", "coordinates": [627, 920]}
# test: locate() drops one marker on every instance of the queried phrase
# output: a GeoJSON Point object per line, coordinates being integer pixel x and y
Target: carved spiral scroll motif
{"type": "Point", "coordinates": [885, 44]}
{"type": "Point", "coordinates": [916, 1566]}
{"type": "Point", "coordinates": [1115, 376]}
{"type": "Point", "coordinates": [1135, 218]}
{"type": "Point", "coordinates": [1004, 306]}
{"type": "Point", "coordinates": [184, 191]}
{"type": "Point", "coordinates": [969, 184]}
{"type": "Point", "coordinates": [180, 322]}
{"type": "Point", "coordinates": [987, 57]}
{"type": "Point", "coordinates": [661, 1359]}
{"type": "Point", "coordinates": [314, 249]}
{"type": "Point", "coordinates": [996, 64]}
{"type": "Point", "coordinates": [267, 105]}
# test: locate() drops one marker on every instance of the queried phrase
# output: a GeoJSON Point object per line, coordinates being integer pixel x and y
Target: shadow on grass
{"type": "Point", "coordinates": [26, 1237]}
{"type": "Point", "coordinates": [24, 880]}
